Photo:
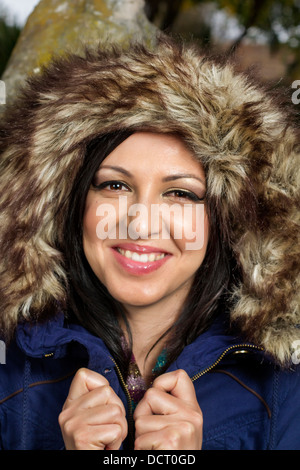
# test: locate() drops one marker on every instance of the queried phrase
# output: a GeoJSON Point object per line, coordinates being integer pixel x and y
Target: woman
{"type": "Point", "coordinates": [130, 331]}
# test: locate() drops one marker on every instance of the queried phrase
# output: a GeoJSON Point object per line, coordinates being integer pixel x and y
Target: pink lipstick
{"type": "Point", "coordinates": [139, 259]}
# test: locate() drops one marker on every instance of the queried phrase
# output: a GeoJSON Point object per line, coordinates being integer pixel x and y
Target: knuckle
{"type": "Point", "coordinates": [200, 418]}
{"type": "Point", "coordinates": [69, 427]}
{"type": "Point", "coordinates": [116, 413]}
{"type": "Point", "coordinates": [197, 418]}
{"type": "Point", "coordinates": [107, 393]}
{"type": "Point", "coordinates": [173, 439]}
{"type": "Point", "coordinates": [118, 433]}
{"type": "Point", "coordinates": [117, 436]}
{"type": "Point", "coordinates": [81, 373]}
{"type": "Point", "coordinates": [80, 440]}
{"type": "Point", "coordinates": [188, 429]}
{"type": "Point", "coordinates": [138, 425]}
{"type": "Point", "coordinates": [181, 374]}
{"type": "Point", "coordinates": [150, 394]}
{"type": "Point", "coordinates": [138, 443]}
{"type": "Point", "coordinates": [62, 418]}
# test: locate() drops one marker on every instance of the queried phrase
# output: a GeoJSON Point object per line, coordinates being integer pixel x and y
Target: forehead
{"type": "Point", "coordinates": [145, 151]}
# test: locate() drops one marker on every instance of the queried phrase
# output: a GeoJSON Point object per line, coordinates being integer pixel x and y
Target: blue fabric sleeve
{"type": "Point", "coordinates": [285, 429]}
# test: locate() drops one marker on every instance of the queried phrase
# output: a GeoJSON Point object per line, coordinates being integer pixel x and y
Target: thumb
{"type": "Point", "coordinates": [85, 381]}
{"type": "Point", "coordinates": [178, 384]}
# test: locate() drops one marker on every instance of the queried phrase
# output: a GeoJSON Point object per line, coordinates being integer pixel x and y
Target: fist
{"type": "Point", "coordinates": [169, 417]}
{"type": "Point", "coordinates": [93, 416]}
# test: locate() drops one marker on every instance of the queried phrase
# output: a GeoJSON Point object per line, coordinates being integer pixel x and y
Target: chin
{"type": "Point", "coordinates": [136, 299]}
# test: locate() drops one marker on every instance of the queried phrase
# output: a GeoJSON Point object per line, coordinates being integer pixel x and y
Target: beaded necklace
{"type": "Point", "coordinates": [135, 382]}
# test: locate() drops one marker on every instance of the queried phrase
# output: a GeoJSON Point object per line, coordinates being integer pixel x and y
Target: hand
{"type": "Point", "coordinates": [169, 417]}
{"type": "Point", "coordinates": [93, 416]}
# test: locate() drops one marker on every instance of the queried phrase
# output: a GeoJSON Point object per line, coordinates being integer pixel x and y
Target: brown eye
{"type": "Point", "coordinates": [182, 194]}
{"type": "Point", "coordinates": [115, 186]}
{"type": "Point", "coordinates": [112, 186]}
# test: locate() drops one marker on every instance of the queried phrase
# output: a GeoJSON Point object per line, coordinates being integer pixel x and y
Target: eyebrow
{"type": "Point", "coordinates": [165, 179]}
{"type": "Point", "coordinates": [117, 168]}
{"type": "Point", "coordinates": [181, 176]}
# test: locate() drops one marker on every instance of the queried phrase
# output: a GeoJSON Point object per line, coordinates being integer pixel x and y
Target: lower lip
{"type": "Point", "coordinates": [137, 268]}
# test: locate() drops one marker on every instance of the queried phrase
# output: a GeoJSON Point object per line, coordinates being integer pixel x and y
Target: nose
{"type": "Point", "coordinates": [141, 224]}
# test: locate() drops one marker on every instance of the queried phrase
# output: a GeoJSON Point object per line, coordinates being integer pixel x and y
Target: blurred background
{"type": "Point", "coordinates": [263, 33]}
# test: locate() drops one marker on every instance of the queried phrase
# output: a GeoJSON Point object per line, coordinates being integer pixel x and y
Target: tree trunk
{"type": "Point", "coordinates": [58, 26]}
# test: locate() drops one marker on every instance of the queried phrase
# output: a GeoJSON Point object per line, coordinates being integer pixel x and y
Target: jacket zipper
{"type": "Point", "coordinates": [194, 378]}
{"type": "Point", "coordinates": [130, 409]}
{"type": "Point", "coordinates": [224, 353]}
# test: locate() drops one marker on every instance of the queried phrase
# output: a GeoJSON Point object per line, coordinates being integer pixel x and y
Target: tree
{"type": "Point", "coordinates": [61, 26]}
{"type": "Point", "coordinates": [8, 37]}
{"type": "Point", "coordinates": [277, 21]}
{"type": "Point", "coordinates": [70, 24]}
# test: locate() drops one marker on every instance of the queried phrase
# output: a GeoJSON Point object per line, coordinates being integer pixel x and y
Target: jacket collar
{"type": "Point", "coordinates": [53, 337]}
{"type": "Point", "coordinates": [212, 346]}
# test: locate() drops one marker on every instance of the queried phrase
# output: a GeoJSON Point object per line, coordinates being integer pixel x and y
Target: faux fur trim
{"type": "Point", "coordinates": [243, 134]}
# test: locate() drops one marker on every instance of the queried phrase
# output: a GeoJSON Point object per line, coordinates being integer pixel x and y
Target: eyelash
{"type": "Point", "coordinates": [110, 183]}
{"type": "Point", "coordinates": [184, 194]}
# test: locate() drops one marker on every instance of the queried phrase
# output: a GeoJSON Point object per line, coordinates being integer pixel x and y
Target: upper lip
{"type": "Point", "coordinates": [139, 248]}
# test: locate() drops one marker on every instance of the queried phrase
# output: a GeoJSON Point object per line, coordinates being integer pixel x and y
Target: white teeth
{"type": "Point", "coordinates": [135, 257]}
{"type": "Point", "coordinates": [143, 258]}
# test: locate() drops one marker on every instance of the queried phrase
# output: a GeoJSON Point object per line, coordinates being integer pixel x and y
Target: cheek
{"type": "Point", "coordinates": [100, 219]}
{"type": "Point", "coordinates": [93, 246]}
{"type": "Point", "coordinates": [90, 221]}
{"type": "Point", "coordinates": [191, 231]}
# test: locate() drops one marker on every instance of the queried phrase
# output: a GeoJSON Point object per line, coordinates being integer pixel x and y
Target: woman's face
{"type": "Point", "coordinates": [145, 227]}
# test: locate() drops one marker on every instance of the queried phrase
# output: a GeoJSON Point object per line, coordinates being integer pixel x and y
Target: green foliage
{"type": "Point", "coordinates": [8, 38]}
{"type": "Point", "coordinates": [278, 19]}
{"type": "Point", "coordinates": [275, 21]}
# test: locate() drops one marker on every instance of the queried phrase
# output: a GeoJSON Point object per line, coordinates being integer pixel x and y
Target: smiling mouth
{"type": "Point", "coordinates": [143, 257]}
{"type": "Point", "coordinates": [140, 259]}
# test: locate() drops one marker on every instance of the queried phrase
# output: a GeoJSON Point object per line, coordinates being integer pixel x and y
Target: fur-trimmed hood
{"type": "Point", "coordinates": [244, 136]}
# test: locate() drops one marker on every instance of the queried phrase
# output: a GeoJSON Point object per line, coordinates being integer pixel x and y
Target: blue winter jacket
{"type": "Point", "coordinates": [246, 400]}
